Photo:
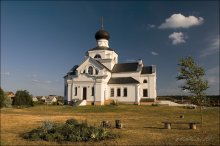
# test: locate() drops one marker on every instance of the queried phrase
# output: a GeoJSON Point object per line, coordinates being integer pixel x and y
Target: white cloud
{"type": "Point", "coordinates": [41, 82]}
{"type": "Point", "coordinates": [154, 53]}
{"type": "Point", "coordinates": [151, 25]}
{"type": "Point", "coordinates": [6, 73]}
{"type": "Point", "coordinates": [213, 47]}
{"type": "Point", "coordinates": [36, 81]}
{"type": "Point", "coordinates": [48, 82]}
{"type": "Point", "coordinates": [181, 21]}
{"type": "Point", "coordinates": [177, 38]}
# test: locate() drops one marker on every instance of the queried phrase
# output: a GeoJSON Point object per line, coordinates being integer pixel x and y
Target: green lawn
{"type": "Point", "coordinates": [141, 124]}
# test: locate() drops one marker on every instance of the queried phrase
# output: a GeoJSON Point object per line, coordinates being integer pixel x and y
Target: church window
{"type": "Point", "coordinates": [97, 56]}
{"type": "Point", "coordinates": [125, 92]}
{"type": "Point", "coordinates": [93, 91]}
{"type": "Point", "coordinates": [118, 92]}
{"type": "Point", "coordinates": [112, 92]}
{"type": "Point", "coordinates": [75, 91]}
{"type": "Point", "coordinates": [145, 93]}
{"type": "Point", "coordinates": [90, 70]}
{"type": "Point", "coordinates": [145, 81]}
{"type": "Point", "coordinates": [96, 71]}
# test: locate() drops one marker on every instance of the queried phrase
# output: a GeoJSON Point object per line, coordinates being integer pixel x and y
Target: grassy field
{"type": "Point", "coordinates": [141, 124]}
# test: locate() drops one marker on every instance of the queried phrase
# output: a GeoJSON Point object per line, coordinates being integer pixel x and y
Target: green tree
{"type": "Point", "coordinates": [194, 82]}
{"type": "Point", "coordinates": [22, 98]}
{"type": "Point", "coordinates": [2, 98]}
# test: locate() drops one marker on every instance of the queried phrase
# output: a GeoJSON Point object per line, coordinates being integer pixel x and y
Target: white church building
{"type": "Point", "coordinates": [100, 78]}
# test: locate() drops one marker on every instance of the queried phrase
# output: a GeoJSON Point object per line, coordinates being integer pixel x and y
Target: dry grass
{"type": "Point", "coordinates": [142, 124]}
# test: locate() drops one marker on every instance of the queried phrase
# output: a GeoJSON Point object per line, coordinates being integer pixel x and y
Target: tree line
{"type": "Point", "coordinates": [22, 98]}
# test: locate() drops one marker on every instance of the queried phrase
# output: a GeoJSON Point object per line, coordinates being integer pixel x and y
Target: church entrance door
{"type": "Point", "coordinates": [84, 93]}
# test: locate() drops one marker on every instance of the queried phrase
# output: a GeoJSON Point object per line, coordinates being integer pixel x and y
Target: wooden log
{"type": "Point", "coordinates": [104, 124]}
{"type": "Point", "coordinates": [192, 126]}
{"type": "Point", "coordinates": [181, 116]}
{"type": "Point", "coordinates": [118, 124]}
{"type": "Point", "coordinates": [167, 125]}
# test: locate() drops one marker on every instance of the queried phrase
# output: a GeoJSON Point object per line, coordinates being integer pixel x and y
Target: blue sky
{"type": "Point", "coordinates": [41, 41]}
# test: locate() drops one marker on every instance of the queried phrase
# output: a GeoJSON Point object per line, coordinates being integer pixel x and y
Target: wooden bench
{"type": "Point", "coordinates": [192, 125]}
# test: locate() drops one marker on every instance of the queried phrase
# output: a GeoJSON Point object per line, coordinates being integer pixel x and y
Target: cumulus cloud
{"type": "Point", "coordinates": [181, 21]}
{"type": "Point", "coordinates": [154, 53]}
{"type": "Point", "coordinates": [213, 47]}
{"type": "Point", "coordinates": [177, 38]}
{"type": "Point", "coordinates": [6, 73]}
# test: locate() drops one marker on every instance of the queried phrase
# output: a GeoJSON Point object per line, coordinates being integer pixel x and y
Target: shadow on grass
{"type": "Point", "coordinates": [152, 127]}
{"type": "Point", "coordinates": [174, 128]}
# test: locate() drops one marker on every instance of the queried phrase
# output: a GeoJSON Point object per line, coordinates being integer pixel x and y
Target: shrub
{"type": "Point", "coordinates": [72, 121]}
{"type": "Point", "coordinates": [38, 102]}
{"type": "Point", "coordinates": [147, 100]}
{"type": "Point", "coordinates": [72, 130]}
{"type": "Point", "coordinates": [115, 102]}
{"type": "Point", "coordinates": [22, 98]}
{"type": "Point", "coordinates": [47, 125]}
{"type": "Point", "coordinates": [155, 104]}
{"type": "Point", "coordinates": [2, 98]}
{"type": "Point", "coordinates": [8, 102]}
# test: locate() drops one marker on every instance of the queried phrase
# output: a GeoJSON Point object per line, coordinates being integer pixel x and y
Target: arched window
{"type": "Point", "coordinates": [145, 81]}
{"type": "Point", "coordinates": [97, 56]}
{"type": "Point", "coordinates": [96, 71]}
{"type": "Point", "coordinates": [90, 70]}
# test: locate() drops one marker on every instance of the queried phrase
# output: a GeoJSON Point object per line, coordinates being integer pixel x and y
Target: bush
{"type": "Point", "coordinates": [147, 100]}
{"type": "Point", "coordinates": [22, 98]}
{"type": "Point", "coordinates": [2, 98]}
{"type": "Point", "coordinates": [115, 102]}
{"type": "Point", "coordinates": [155, 104]}
{"type": "Point", "coordinates": [72, 130]}
{"type": "Point", "coordinates": [8, 102]}
{"type": "Point", "coordinates": [40, 102]}
{"type": "Point", "coordinates": [72, 122]}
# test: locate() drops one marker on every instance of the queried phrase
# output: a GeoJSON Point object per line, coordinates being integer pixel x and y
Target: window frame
{"type": "Point", "coordinates": [125, 91]}
{"type": "Point", "coordinates": [90, 70]}
{"type": "Point", "coordinates": [118, 92]}
{"type": "Point", "coordinates": [96, 71]}
{"type": "Point", "coordinates": [112, 92]}
{"type": "Point", "coordinates": [97, 56]}
{"type": "Point", "coordinates": [75, 91]}
{"type": "Point", "coordinates": [145, 81]}
{"type": "Point", "coordinates": [93, 91]}
{"type": "Point", "coordinates": [145, 92]}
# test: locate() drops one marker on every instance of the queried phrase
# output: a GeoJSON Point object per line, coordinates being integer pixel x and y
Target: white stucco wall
{"type": "Point", "coordinates": [105, 54]}
{"type": "Point", "coordinates": [152, 86]}
{"type": "Point", "coordinates": [131, 92]}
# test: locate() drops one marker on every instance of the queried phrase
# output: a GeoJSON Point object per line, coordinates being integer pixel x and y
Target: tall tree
{"type": "Point", "coordinates": [2, 98]}
{"type": "Point", "coordinates": [194, 81]}
{"type": "Point", "coordinates": [22, 98]}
